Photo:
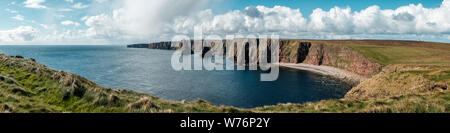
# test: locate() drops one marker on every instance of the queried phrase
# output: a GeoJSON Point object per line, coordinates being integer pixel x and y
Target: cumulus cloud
{"type": "Point", "coordinates": [34, 4]}
{"type": "Point", "coordinates": [140, 20]}
{"type": "Point", "coordinates": [252, 20]}
{"type": "Point", "coordinates": [403, 20]}
{"type": "Point", "coordinates": [20, 34]}
{"type": "Point", "coordinates": [102, 27]}
{"type": "Point", "coordinates": [334, 23]}
{"type": "Point", "coordinates": [68, 22]}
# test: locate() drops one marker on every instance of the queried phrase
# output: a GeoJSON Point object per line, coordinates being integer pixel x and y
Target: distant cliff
{"type": "Point", "coordinates": [301, 51]}
{"type": "Point", "coordinates": [159, 45]}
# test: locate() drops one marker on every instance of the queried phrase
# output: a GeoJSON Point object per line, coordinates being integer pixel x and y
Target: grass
{"type": "Point", "coordinates": [388, 52]}
{"type": "Point", "coordinates": [401, 55]}
{"type": "Point", "coordinates": [29, 87]}
{"type": "Point", "coordinates": [398, 89]}
{"type": "Point", "coordinates": [436, 102]}
{"type": "Point", "coordinates": [404, 86]}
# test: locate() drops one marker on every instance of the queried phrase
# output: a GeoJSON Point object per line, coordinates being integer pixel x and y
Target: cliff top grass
{"type": "Point", "coordinates": [388, 52]}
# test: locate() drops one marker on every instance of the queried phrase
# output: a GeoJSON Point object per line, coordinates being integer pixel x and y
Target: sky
{"type": "Point", "coordinates": [140, 21]}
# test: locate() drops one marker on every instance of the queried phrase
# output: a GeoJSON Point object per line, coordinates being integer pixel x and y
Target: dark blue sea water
{"type": "Point", "coordinates": [150, 71]}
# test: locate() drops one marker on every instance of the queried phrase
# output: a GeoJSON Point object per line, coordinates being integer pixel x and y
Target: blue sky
{"type": "Point", "coordinates": [307, 6]}
{"type": "Point", "coordinates": [107, 21]}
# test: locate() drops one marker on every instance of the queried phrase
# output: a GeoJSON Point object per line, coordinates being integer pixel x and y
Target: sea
{"type": "Point", "coordinates": [150, 71]}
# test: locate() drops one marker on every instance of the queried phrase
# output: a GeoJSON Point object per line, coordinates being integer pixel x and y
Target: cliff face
{"type": "Point", "coordinates": [335, 55]}
{"type": "Point", "coordinates": [342, 57]}
{"type": "Point", "coordinates": [295, 51]}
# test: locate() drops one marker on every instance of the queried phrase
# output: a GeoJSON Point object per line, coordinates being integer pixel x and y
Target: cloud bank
{"type": "Point", "coordinates": [411, 21]}
{"type": "Point", "coordinates": [157, 20]}
{"type": "Point", "coordinates": [20, 34]}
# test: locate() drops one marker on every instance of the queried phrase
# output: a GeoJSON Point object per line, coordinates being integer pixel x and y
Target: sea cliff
{"type": "Point", "coordinates": [298, 51]}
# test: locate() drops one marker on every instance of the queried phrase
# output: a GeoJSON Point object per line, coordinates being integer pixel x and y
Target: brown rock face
{"type": "Point", "coordinates": [335, 55]}
{"type": "Point", "coordinates": [294, 51]}
{"type": "Point", "coordinates": [342, 57]}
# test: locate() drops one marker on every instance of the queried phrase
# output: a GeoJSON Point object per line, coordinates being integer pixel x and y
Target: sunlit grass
{"type": "Point", "coordinates": [402, 55]}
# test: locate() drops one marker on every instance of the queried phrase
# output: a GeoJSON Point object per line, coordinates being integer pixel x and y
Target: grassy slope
{"type": "Point", "coordinates": [405, 85]}
{"type": "Point", "coordinates": [27, 86]}
{"type": "Point", "coordinates": [399, 88]}
{"type": "Point", "coordinates": [388, 52]}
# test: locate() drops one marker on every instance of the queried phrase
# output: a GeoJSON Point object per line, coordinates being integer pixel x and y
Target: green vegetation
{"type": "Point", "coordinates": [401, 55]}
{"type": "Point", "coordinates": [398, 89]}
{"type": "Point", "coordinates": [433, 102]}
{"type": "Point", "coordinates": [27, 86]}
{"type": "Point", "coordinates": [396, 52]}
{"type": "Point", "coordinates": [414, 79]}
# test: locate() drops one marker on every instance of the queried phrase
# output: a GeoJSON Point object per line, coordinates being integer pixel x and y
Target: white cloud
{"type": "Point", "coordinates": [411, 19]}
{"type": "Point", "coordinates": [141, 21]}
{"type": "Point", "coordinates": [68, 22]}
{"type": "Point", "coordinates": [258, 19]}
{"type": "Point", "coordinates": [80, 5]}
{"type": "Point", "coordinates": [138, 19]}
{"type": "Point", "coordinates": [70, 1]}
{"type": "Point", "coordinates": [335, 23]}
{"type": "Point", "coordinates": [18, 17]}
{"type": "Point", "coordinates": [34, 4]}
{"type": "Point", "coordinates": [20, 34]}
{"type": "Point", "coordinates": [102, 27]}
{"type": "Point", "coordinates": [65, 10]}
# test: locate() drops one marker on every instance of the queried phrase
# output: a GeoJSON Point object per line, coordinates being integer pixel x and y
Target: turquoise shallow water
{"type": "Point", "coordinates": [150, 71]}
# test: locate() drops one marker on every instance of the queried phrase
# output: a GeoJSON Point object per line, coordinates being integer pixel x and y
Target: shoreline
{"type": "Point", "coordinates": [327, 70]}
